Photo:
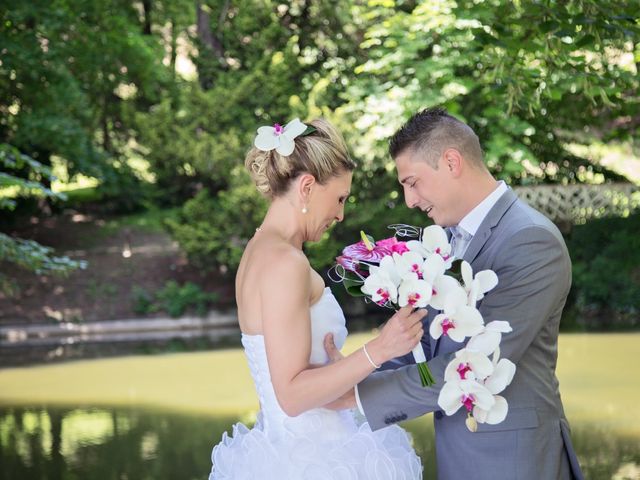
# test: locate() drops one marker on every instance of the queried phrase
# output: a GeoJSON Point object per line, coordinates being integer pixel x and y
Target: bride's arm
{"type": "Point", "coordinates": [284, 297]}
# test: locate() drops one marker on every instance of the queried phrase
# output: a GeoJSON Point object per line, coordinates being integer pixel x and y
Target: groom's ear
{"type": "Point", "coordinates": [453, 161]}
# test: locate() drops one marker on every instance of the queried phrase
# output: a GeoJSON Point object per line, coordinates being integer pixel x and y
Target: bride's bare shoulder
{"type": "Point", "coordinates": [276, 258]}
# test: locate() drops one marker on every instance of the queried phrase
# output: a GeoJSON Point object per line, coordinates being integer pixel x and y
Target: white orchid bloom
{"type": "Point", "coordinates": [501, 377]}
{"type": "Point", "coordinates": [442, 286]}
{"type": "Point", "coordinates": [468, 365]}
{"type": "Point", "coordinates": [488, 340]}
{"type": "Point", "coordinates": [279, 138]}
{"type": "Point", "coordinates": [494, 415]}
{"type": "Point", "coordinates": [434, 240]}
{"type": "Point", "coordinates": [433, 268]}
{"type": "Point", "coordinates": [467, 393]}
{"type": "Point", "coordinates": [409, 262]}
{"type": "Point", "coordinates": [477, 286]}
{"type": "Point", "coordinates": [382, 283]}
{"type": "Point", "coordinates": [458, 320]}
{"type": "Point", "coordinates": [388, 265]}
{"type": "Point", "coordinates": [414, 292]}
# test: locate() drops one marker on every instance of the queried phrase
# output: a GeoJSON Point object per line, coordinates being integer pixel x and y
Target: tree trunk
{"type": "Point", "coordinates": [211, 51]}
{"type": "Point", "coordinates": [174, 49]}
{"type": "Point", "coordinates": [147, 7]}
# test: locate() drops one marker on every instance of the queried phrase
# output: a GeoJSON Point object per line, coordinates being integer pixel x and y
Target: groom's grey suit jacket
{"type": "Point", "coordinates": [529, 255]}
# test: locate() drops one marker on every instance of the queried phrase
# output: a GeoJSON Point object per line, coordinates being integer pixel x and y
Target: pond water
{"type": "Point", "coordinates": [117, 419]}
{"type": "Point", "coordinates": [115, 443]}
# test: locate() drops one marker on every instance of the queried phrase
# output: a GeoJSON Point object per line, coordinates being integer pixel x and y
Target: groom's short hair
{"type": "Point", "coordinates": [430, 132]}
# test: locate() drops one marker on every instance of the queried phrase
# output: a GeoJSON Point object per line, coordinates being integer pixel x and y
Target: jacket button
{"type": "Point", "coordinates": [438, 415]}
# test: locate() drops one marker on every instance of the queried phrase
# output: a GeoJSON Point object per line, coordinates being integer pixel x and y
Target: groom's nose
{"type": "Point", "coordinates": [410, 198]}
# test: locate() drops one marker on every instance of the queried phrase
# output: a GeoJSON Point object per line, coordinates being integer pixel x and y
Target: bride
{"type": "Point", "coordinates": [285, 311]}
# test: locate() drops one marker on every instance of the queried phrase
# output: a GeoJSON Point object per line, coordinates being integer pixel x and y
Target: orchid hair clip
{"type": "Point", "coordinates": [281, 138]}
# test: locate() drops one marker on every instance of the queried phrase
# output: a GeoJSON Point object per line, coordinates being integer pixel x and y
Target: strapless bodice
{"type": "Point", "coordinates": [326, 317]}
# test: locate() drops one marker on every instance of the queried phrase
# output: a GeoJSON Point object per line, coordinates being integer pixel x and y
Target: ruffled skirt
{"type": "Point", "coordinates": [316, 448]}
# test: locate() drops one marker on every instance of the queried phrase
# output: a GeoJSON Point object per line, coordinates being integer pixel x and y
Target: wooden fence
{"type": "Point", "coordinates": [575, 204]}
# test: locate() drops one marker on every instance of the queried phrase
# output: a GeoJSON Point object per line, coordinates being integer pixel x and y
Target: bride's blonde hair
{"type": "Point", "coordinates": [322, 153]}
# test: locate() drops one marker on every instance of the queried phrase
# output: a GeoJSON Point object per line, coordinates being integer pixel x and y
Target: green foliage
{"type": "Point", "coordinates": [96, 83]}
{"type": "Point", "coordinates": [527, 76]}
{"type": "Point", "coordinates": [27, 253]}
{"type": "Point", "coordinates": [71, 73]}
{"type": "Point", "coordinates": [273, 57]}
{"type": "Point", "coordinates": [13, 162]}
{"type": "Point", "coordinates": [606, 272]}
{"type": "Point", "coordinates": [142, 300]}
{"type": "Point", "coordinates": [213, 231]}
{"type": "Point", "coordinates": [32, 256]}
{"type": "Point", "coordinates": [173, 298]}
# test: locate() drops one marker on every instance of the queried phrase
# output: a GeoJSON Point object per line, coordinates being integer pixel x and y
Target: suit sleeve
{"type": "Point", "coordinates": [534, 275]}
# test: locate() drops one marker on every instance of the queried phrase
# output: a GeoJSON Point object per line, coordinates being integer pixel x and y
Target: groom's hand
{"type": "Point", "coordinates": [331, 349]}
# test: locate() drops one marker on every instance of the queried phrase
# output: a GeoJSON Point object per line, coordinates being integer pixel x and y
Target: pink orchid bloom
{"type": "Point", "coordinates": [360, 252]}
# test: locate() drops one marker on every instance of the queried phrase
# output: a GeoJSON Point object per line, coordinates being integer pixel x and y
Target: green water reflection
{"type": "Point", "coordinates": [104, 443]}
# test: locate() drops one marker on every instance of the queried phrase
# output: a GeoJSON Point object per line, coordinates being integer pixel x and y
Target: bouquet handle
{"type": "Point", "coordinates": [426, 377]}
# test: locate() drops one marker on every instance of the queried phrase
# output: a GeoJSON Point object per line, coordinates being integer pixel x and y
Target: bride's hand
{"type": "Point", "coordinates": [331, 349]}
{"type": "Point", "coordinates": [399, 336]}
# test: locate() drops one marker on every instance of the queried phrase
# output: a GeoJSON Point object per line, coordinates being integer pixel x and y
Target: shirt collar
{"type": "Point", "coordinates": [471, 222]}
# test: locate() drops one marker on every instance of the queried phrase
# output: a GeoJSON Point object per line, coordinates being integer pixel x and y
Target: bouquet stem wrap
{"type": "Point", "coordinates": [423, 368]}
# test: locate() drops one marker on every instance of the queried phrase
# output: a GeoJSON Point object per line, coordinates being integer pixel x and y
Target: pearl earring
{"type": "Point", "coordinates": [304, 209]}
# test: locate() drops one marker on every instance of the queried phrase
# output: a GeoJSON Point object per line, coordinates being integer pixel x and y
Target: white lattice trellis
{"type": "Point", "coordinates": [578, 203]}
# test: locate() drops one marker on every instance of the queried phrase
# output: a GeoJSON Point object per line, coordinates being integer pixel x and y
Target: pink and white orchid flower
{"type": "Point", "coordinates": [414, 291]}
{"type": "Point", "coordinates": [382, 283]}
{"type": "Point", "coordinates": [458, 320]}
{"type": "Point", "coordinates": [410, 262]}
{"type": "Point", "coordinates": [434, 240]}
{"type": "Point", "coordinates": [279, 138]}
{"type": "Point", "coordinates": [477, 286]}
{"type": "Point", "coordinates": [468, 365]}
{"type": "Point", "coordinates": [467, 393]}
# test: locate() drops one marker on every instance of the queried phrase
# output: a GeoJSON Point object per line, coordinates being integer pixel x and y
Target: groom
{"type": "Point", "coordinates": [440, 166]}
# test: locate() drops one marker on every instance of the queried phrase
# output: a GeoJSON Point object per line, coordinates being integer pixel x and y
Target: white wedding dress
{"type": "Point", "coordinates": [318, 444]}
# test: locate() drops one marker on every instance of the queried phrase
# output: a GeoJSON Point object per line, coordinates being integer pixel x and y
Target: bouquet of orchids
{"type": "Point", "coordinates": [423, 273]}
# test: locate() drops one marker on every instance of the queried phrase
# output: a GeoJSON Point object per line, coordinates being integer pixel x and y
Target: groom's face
{"type": "Point", "coordinates": [427, 188]}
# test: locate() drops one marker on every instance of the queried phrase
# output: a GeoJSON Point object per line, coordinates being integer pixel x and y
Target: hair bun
{"type": "Point", "coordinates": [256, 164]}
{"type": "Point", "coordinates": [322, 154]}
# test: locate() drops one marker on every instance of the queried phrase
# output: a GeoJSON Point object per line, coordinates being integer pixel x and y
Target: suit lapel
{"type": "Point", "coordinates": [489, 222]}
{"type": "Point", "coordinates": [444, 343]}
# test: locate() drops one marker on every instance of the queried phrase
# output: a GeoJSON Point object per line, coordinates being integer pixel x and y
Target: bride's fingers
{"type": "Point", "coordinates": [331, 349]}
{"type": "Point", "coordinates": [418, 315]}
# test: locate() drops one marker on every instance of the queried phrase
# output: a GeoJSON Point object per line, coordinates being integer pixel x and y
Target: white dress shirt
{"type": "Point", "coordinates": [469, 224]}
